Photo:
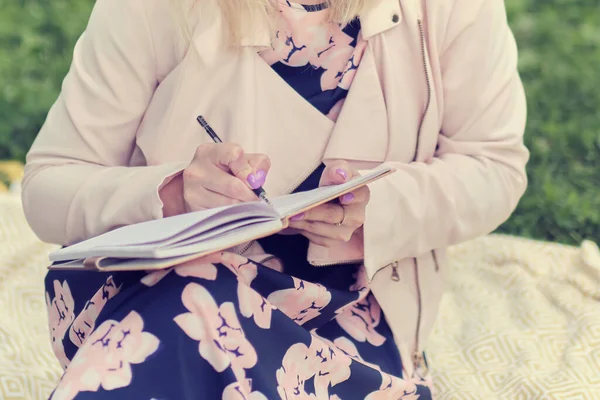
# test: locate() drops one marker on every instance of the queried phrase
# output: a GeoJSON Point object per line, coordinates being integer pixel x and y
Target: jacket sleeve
{"type": "Point", "coordinates": [477, 176]}
{"type": "Point", "coordinates": [77, 183]}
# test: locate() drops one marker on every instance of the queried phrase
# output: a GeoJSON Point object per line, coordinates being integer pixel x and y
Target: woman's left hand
{"type": "Point", "coordinates": [335, 222]}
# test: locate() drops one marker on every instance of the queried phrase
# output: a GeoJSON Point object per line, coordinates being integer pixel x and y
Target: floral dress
{"type": "Point", "coordinates": [225, 327]}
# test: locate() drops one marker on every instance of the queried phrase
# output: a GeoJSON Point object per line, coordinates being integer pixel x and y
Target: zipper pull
{"type": "Point", "coordinates": [395, 274]}
{"type": "Point", "coordinates": [419, 364]}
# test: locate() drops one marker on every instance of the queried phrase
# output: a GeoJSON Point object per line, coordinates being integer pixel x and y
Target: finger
{"type": "Point", "coordinates": [320, 240]}
{"type": "Point", "coordinates": [259, 162]}
{"type": "Point", "coordinates": [220, 154]}
{"type": "Point", "coordinates": [352, 215]}
{"type": "Point", "coordinates": [218, 181]}
{"type": "Point", "coordinates": [330, 213]}
{"type": "Point", "coordinates": [361, 195]}
{"type": "Point", "coordinates": [244, 172]}
{"type": "Point", "coordinates": [228, 185]}
{"type": "Point", "coordinates": [201, 199]}
{"type": "Point", "coordinates": [335, 173]}
{"type": "Point", "coordinates": [260, 165]}
{"type": "Point", "coordinates": [340, 233]}
{"type": "Point", "coordinates": [355, 215]}
{"type": "Point", "coordinates": [229, 157]}
{"type": "Point", "coordinates": [252, 169]}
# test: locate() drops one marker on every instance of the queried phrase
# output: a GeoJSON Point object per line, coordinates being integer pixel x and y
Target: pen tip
{"type": "Point", "coordinates": [263, 197]}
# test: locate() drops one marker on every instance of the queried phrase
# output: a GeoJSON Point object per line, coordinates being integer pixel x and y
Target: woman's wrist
{"type": "Point", "coordinates": [171, 196]}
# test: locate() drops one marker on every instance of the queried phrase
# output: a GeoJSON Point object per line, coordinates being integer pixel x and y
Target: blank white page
{"type": "Point", "coordinates": [155, 232]}
{"type": "Point", "coordinates": [291, 204]}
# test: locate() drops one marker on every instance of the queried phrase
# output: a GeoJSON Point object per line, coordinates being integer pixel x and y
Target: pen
{"type": "Point", "coordinates": [260, 192]}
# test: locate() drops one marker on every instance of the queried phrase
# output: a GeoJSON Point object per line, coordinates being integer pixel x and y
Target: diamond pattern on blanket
{"type": "Point", "coordinates": [520, 319]}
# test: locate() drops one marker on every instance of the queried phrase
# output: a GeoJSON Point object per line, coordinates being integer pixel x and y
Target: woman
{"type": "Point", "coordinates": [338, 307]}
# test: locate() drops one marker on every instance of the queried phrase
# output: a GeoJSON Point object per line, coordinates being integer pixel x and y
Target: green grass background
{"type": "Point", "coordinates": [559, 44]}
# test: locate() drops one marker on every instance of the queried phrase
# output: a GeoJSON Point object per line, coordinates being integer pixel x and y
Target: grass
{"type": "Point", "coordinates": [559, 44]}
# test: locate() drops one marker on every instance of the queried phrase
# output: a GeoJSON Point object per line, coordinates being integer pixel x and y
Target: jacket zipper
{"type": "Point", "coordinates": [268, 258]}
{"type": "Point", "coordinates": [395, 276]}
{"type": "Point", "coordinates": [335, 263]}
{"type": "Point", "coordinates": [428, 103]}
{"type": "Point", "coordinates": [418, 359]}
{"type": "Point", "coordinates": [435, 260]}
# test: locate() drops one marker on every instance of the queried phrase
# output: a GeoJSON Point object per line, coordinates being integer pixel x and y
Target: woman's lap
{"type": "Point", "coordinates": [233, 330]}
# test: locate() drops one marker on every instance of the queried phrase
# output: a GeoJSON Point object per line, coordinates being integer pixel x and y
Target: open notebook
{"type": "Point", "coordinates": [163, 242]}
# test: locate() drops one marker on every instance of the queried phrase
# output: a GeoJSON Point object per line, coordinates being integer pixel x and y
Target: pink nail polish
{"type": "Point", "coordinates": [255, 181]}
{"type": "Point", "coordinates": [347, 198]}
{"type": "Point", "coordinates": [297, 217]}
{"type": "Point", "coordinates": [342, 173]}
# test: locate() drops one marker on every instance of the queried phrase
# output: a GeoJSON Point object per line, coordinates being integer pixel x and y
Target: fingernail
{"type": "Point", "coordinates": [261, 174]}
{"type": "Point", "coordinates": [347, 198]}
{"type": "Point", "coordinates": [256, 180]}
{"type": "Point", "coordinates": [297, 217]}
{"type": "Point", "coordinates": [342, 173]}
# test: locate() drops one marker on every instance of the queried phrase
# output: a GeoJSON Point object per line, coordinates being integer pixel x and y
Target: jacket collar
{"type": "Point", "coordinates": [385, 15]}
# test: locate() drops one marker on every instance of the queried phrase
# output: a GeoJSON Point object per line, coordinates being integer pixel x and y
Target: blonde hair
{"type": "Point", "coordinates": [240, 16]}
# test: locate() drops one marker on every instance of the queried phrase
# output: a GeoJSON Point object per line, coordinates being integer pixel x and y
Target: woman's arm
{"type": "Point", "coordinates": [77, 183]}
{"type": "Point", "coordinates": [477, 176]}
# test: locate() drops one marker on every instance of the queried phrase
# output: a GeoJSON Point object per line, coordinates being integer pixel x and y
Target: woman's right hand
{"type": "Point", "coordinates": [220, 174]}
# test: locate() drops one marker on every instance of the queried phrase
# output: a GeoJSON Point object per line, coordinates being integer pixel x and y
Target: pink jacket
{"type": "Point", "coordinates": [437, 96]}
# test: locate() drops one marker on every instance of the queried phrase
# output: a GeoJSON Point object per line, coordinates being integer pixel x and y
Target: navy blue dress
{"type": "Point", "coordinates": [224, 327]}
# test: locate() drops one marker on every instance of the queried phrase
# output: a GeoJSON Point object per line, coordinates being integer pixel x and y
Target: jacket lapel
{"type": "Point", "coordinates": [361, 131]}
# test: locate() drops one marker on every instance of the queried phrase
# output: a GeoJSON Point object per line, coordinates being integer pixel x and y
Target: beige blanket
{"type": "Point", "coordinates": [520, 320]}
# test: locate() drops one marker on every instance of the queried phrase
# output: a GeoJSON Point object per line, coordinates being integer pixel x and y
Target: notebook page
{"type": "Point", "coordinates": [158, 231]}
{"type": "Point", "coordinates": [218, 231]}
{"type": "Point", "coordinates": [291, 204]}
{"type": "Point", "coordinates": [224, 241]}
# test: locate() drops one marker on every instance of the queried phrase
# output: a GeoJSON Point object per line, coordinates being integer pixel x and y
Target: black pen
{"type": "Point", "coordinates": [260, 192]}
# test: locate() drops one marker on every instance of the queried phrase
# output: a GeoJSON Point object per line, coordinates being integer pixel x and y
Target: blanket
{"type": "Point", "coordinates": [520, 319]}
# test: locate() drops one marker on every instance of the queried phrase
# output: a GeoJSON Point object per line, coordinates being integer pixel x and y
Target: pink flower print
{"type": "Point", "coordinates": [194, 268]}
{"type": "Point", "coordinates": [347, 76]}
{"type": "Point", "coordinates": [252, 304]}
{"type": "Point", "coordinates": [302, 37]}
{"type": "Point", "coordinates": [294, 371]}
{"type": "Point", "coordinates": [334, 60]}
{"type": "Point", "coordinates": [394, 388]}
{"type": "Point", "coordinates": [298, 38]}
{"type": "Point", "coordinates": [361, 285]}
{"type": "Point", "coordinates": [347, 347]}
{"type": "Point", "coordinates": [362, 282]}
{"type": "Point", "coordinates": [106, 356]}
{"type": "Point", "coordinates": [86, 320]}
{"type": "Point", "coordinates": [326, 364]}
{"type": "Point", "coordinates": [197, 269]}
{"type": "Point", "coordinates": [360, 321]}
{"type": "Point", "coordinates": [334, 112]}
{"type": "Point", "coordinates": [222, 340]}
{"type": "Point", "coordinates": [303, 302]}
{"type": "Point", "coordinates": [238, 391]}
{"type": "Point", "coordinates": [333, 367]}
{"type": "Point", "coordinates": [153, 277]}
{"type": "Point", "coordinates": [61, 313]}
